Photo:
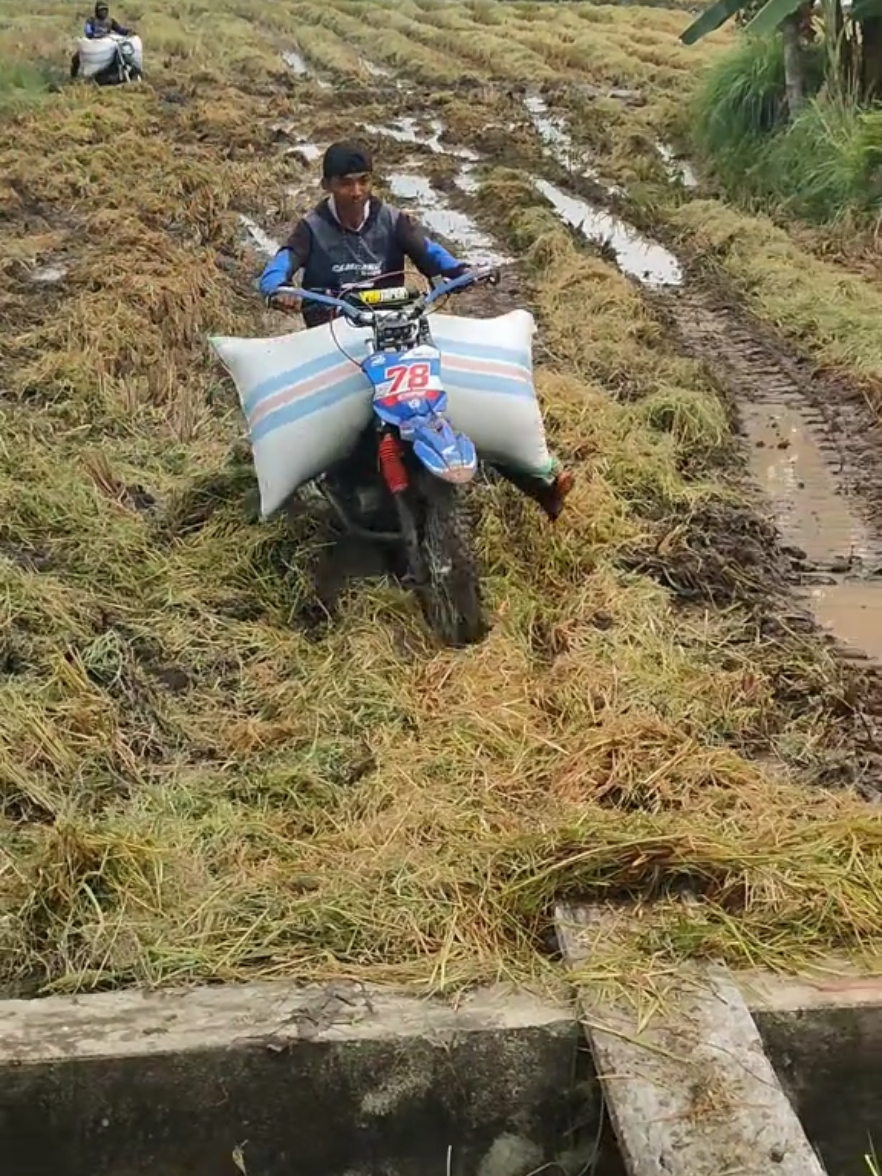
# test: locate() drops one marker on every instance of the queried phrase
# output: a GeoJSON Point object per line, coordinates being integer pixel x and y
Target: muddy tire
{"type": "Point", "coordinates": [450, 595]}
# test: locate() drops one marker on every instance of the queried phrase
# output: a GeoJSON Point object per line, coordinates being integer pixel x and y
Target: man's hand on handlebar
{"type": "Point", "coordinates": [289, 303]}
{"type": "Point", "coordinates": [482, 274]}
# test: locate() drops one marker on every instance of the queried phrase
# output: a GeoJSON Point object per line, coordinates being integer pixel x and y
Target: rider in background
{"type": "Point", "coordinates": [351, 237]}
{"type": "Point", "coordinates": [101, 24]}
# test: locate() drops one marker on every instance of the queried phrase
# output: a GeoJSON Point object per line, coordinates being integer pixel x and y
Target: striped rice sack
{"type": "Point", "coordinates": [306, 402]}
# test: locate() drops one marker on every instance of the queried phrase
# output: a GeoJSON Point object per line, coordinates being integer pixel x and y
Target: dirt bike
{"type": "Point", "coordinates": [417, 464]}
{"type": "Point", "coordinates": [126, 64]}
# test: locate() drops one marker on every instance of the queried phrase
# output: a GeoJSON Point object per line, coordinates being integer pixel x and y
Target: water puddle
{"type": "Point", "coordinates": [311, 152]}
{"type": "Point", "coordinates": [551, 129]}
{"type": "Point", "coordinates": [553, 133]}
{"type": "Point", "coordinates": [48, 275]}
{"type": "Point", "coordinates": [852, 610]}
{"type": "Point", "coordinates": [438, 216]}
{"type": "Point", "coordinates": [644, 260]}
{"type": "Point", "coordinates": [301, 68]}
{"type": "Point", "coordinates": [296, 62]}
{"type": "Point", "coordinates": [797, 477]}
{"type": "Point", "coordinates": [264, 242]}
{"type": "Point", "coordinates": [375, 71]}
{"type": "Point", "coordinates": [466, 180]}
{"type": "Point", "coordinates": [408, 130]}
{"type": "Point", "coordinates": [679, 170]}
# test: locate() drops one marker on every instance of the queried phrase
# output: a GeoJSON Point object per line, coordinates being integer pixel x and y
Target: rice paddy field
{"type": "Point", "coordinates": [201, 779]}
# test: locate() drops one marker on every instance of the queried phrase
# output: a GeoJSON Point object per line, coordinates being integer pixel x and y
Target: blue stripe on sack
{"type": "Point", "coordinates": [292, 377]}
{"type": "Point", "coordinates": [314, 367]}
{"type": "Point", "coordinates": [299, 410]}
{"type": "Point", "coordinates": [480, 382]}
{"type": "Point", "coordinates": [489, 351]}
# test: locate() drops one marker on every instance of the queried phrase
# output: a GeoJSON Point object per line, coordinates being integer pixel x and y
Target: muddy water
{"type": "Point", "coordinates": [649, 263]}
{"type": "Point", "coordinates": [466, 180]}
{"type": "Point", "coordinates": [554, 135]}
{"type": "Point", "coordinates": [552, 130]}
{"type": "Point", "coordinates": [264, 242]}
{"type": "Point", "coordinates": [852, 610]}
{"type": "Point", "coordinates": [438, 216]}
{"type": "Point", "coordinates": [375, 71]}
{"type": "Point", "coordinates": [805, 474]}
{"type": "Point", "coordinates": [311, 152]}
{"type": "Point", "coordinates": [301, 68]}
{"type": "Point", "coordinates": [48, 275]}
{"type": "Point", "coordinates": [797, 476]}
{"type": "Point", "coordinates": [677, 169]}
{"type": "Point", "coordinates": [408, 130]}
{"type": "Point", "coordinates": [296, 62]}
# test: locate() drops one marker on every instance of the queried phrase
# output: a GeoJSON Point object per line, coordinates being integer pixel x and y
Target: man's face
{"type": "Point", "coordinates": [101, 12]}
{"type": "Point", "coordinates": [351, 193]}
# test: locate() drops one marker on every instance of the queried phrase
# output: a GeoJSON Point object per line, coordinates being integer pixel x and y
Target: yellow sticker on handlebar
{"type": "Point", "coordinates": [372, 297]}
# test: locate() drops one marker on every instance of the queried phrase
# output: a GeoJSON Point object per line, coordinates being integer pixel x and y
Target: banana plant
{"type": "Point", "coordinates": [856, 25]}
{"type": "Point", "coordinates": [768, 18]}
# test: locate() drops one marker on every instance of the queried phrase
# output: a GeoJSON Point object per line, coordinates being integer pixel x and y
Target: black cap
{"type": "Point", "coordinates": [346, 159]}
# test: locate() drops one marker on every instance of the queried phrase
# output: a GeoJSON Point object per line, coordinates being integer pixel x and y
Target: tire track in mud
{"type": "Point", "coordinates": [814, 445]}
{"type": "Point", "coordinates": [814, 449]}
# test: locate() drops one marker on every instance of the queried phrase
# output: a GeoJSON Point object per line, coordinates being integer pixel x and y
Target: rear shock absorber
{"type": "Point", "coordinates": [392, 463]}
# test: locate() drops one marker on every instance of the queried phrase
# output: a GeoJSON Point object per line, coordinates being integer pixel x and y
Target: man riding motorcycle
{"type": "Point", "coordinates": [102, 24]}
{"type": "Point", "coordinates": [354, 237]}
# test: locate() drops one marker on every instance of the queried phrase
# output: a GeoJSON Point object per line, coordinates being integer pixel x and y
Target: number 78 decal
{"type": "Point", "coordinates": [410, 379]}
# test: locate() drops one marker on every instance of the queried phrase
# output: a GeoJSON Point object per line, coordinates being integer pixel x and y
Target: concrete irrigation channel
{"type": "Point", "coordinates": [733, 1073]}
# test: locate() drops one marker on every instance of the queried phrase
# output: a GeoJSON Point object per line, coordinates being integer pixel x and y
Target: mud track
{"type": "Point", "coordinates": [813, 446]}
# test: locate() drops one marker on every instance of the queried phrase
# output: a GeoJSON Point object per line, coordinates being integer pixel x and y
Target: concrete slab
{"type": "Point", "coordinates": [692, 1092]}
{"type": "Point", "coordinates": [135, 1023]}
{"type": "Point", "coordinates": [270, 1079]}
{"type": "Point", "coordinates": [836, 987]}
{"type": "Point", "coordinates": [824, 1034]}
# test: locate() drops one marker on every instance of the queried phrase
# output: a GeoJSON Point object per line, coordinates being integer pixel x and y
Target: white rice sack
{"type": "Point", "coordinates": [98, 52]}
{"type": "Point", "coordinates": [487, 371]}
{"type": "Point", "coordinates": [95, 55]}
{"type": "Point", "coordinates": [137, 50]}
{"type": "Point", "coordinates": [306, 403]}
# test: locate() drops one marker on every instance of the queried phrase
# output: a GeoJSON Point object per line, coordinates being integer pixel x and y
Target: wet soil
{"type": "Point", "coordinates": [813, 444]}
{"type": "Point", "coordinates": [813, 448]}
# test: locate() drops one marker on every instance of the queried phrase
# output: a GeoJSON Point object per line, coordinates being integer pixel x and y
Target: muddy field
{"type": "Point", "coordinates": [201, 776]}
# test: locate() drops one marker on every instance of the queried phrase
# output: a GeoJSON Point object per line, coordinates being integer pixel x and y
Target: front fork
{"type": "Point", "coordinates": [394, 474]}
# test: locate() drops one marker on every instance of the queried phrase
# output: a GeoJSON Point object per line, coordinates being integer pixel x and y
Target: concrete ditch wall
{"type": "Point", "coordinates": [318, 1082]}
{"type": "Point", "coordinates": [824, 1038]}
{"type": "Point", "coordinates": [270, 1079]}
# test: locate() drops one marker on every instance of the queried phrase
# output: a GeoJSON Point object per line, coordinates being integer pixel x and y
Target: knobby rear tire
{"type": "Point", "coordinates": [450, 595]}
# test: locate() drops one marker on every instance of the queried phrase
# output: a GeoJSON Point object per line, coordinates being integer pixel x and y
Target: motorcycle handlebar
{"type": "Point", "coordinates": [363, 316]}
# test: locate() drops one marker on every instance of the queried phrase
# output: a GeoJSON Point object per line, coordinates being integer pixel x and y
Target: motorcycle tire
{"type": "Point", "coordinates": [450, 592]}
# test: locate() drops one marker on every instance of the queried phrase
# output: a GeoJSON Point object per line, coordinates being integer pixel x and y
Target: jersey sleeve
{"type": "Point", "coordinates": [430, 258]}
{"type": "Point", "coordinates": [282, 267]}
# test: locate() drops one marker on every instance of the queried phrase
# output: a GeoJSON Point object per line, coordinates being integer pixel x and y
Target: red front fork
{"type": "Point", "coordinates": [392, 463]}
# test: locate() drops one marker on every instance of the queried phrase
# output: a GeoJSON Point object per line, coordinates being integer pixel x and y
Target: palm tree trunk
{"type": "Point", "coordinates": [871, 58]}
{"type": "Point", "coordinates": [794, 73]}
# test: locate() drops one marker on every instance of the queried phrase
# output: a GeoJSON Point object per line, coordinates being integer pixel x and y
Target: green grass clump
{"type": "Point", "coordinates": [821, 166]}
{"type": "Point", "coordinates": [21, 84]}
{"type": "Point", "coordinates": [741, 100]}
{"type": "Point", "coordinates": [827, 164]}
